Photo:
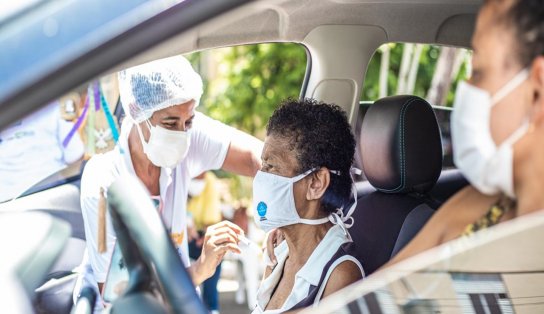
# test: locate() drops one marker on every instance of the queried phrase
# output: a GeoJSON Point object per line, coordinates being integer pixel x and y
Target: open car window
{"type": "Point", "coordinates": [243, 86]}
{"type": "Point", "coordinates": [428, 71]}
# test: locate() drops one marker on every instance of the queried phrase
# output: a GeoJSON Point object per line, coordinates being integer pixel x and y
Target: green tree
{"type": "Point", "coordinates": [425, 71]}
{"type": "Point", "coordinates": [246, 86]}
{"type": "Point", "coordinates": [252, 82]}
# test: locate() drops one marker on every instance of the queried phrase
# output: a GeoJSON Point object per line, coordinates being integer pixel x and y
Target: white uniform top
{"type": "Point", "coordinates": [209, 143]}
{"type": "Point", "coordinates": [308, 275]}
{"type": "Point", "coordinates": [31, 150]}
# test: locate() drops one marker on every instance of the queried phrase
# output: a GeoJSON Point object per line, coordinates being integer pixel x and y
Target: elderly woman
{"type": "Point", "coordinates": [304, 183]}
{"type": "Point", "coordinates": [497, 125]}
{"type": "Point", "coordinates": [164, 142]}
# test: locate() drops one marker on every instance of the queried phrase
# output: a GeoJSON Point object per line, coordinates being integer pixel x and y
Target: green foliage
{"type": "Point", "coordinates": [243, 85]}
{"type": "Point", "coordinates": [427, 65]}
{"type": "Point", "coordinates": [247, 85]}
{"type": "Point", "coordinates": [251, 82]}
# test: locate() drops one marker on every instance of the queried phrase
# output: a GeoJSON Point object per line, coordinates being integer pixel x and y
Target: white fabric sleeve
{"type": "Point", "coordinates": [90, 191]}
{"type": "Point", "coordinates": [209, 144]}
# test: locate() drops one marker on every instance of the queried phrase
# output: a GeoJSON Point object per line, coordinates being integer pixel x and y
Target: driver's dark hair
{"type": "Point", "coordinates": [526, 17]}
{"type": "Point", "coordinates": [321, 136]}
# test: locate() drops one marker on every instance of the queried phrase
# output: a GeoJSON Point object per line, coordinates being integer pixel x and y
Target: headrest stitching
{"type": "Point", "coordinates": [405, 106]}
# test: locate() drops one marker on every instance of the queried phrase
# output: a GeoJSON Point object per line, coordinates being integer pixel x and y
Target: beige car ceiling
{"type": "Point", "coordinates": [340, 35]}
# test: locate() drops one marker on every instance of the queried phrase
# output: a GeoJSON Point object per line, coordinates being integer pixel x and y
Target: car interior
{"type": "Point", "coordinates": [402, 160]}
{"type": "Point", "coordinates": [400, 141]}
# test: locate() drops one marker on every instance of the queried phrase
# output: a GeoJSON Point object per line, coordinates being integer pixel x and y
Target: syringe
{"type": "Point", "coordinates": [250, 244]}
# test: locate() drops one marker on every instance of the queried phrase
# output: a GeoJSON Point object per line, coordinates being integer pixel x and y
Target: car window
{"type": "Point", "coordinates": [428, 71]}
{"type": "Point", "coordinates": [243, 85]}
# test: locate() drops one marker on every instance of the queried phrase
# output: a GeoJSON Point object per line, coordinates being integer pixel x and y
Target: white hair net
{"type": "Point", "coordinates": [156, 85]}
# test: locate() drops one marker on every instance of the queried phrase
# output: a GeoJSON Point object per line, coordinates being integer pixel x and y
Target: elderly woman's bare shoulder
{"type": "Point", "coordinates": [346, 273]}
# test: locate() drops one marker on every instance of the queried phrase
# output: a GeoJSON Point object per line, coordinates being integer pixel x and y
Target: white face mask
{"type": "Point", "coordinates": [487, 167]}
{"type": "Point", "coordinates": [274, 203]}
{"type": "Point", "coordinates": [165, 148]}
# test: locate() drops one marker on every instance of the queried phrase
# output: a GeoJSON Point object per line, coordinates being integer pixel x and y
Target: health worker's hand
{"type": "Point", "coordinates": [218, 240]}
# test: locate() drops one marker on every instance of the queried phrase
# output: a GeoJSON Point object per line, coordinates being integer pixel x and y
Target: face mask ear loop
{"type": "Point", "coordinates": [346, 221]}
{"type": "Point", "coordinates": [141, 136]}
{"type": "Point", "coordinates": [336, 219]}
{"type": "Point", "coordinates": [149, 125]}
{"type": "Point", "coordinates": [347, 216]}
{"type": "Point", "coordinates": [518, 134]}
{"type": "Point", "coordinates": [302, 175]}
{"type": "Point", "coordinates": [510, 86]}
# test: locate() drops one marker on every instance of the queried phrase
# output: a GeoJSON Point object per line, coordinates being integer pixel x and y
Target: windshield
{"type": "Point", "coordinates": [47, 147]}
{"type": "Point", "coordinates": [10, 9]}
{"type": "Point", "coordinates": [36, 39]}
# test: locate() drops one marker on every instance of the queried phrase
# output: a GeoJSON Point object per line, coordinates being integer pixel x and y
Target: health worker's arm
{"type": "Point", "coordinates": [244, 154]}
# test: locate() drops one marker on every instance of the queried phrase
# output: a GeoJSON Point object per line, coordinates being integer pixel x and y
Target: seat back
{"type": "Point", "coordinates": [402, 159]}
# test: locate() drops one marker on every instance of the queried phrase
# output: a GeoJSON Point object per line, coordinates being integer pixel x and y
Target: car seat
{"type": "Point", "coordinates": [402, 159]}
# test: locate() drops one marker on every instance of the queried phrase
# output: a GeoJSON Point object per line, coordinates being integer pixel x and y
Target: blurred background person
{"type": "Point", "coordinates": [204, 210]}
{"type": "Point", "coordinates": [32, 149]}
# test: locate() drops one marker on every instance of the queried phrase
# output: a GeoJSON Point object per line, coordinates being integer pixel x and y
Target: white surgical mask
{"type": "Point", "coordinates": [274, 203]}
{"type": "Point", "coordinates": [165, 148]}
{"type": "Point", "coordinates": [488, 167]}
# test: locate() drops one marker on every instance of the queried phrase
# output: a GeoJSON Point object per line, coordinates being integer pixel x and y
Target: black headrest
{"type": "Point", "coordinates": [401, 145]}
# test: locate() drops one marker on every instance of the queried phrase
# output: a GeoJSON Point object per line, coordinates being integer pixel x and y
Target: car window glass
{"type": "Point", "coordinates": [486, 272]}
{"type": "Point", "coordinates": [10, 8]}
{"type": "Point", "coordinates": [428, 71]}
{"type": "Point", "coordinates": [49, 147]}
{"type": "Point", "coordinates": [243, 85]}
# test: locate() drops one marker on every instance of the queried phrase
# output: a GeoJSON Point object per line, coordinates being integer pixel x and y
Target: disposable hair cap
{"type": "Point", "coordinates": [156, 85]}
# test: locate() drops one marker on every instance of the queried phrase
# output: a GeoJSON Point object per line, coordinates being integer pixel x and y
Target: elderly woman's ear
{"type": "Point", "coordinates": [318, 183]}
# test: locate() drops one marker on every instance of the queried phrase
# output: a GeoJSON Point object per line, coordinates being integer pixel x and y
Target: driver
{"type": "Point", "coordinates": [164, 142]}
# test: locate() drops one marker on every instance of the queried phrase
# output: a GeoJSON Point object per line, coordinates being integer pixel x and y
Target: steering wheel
{"type": "Point", "coordinates": [148, 252]}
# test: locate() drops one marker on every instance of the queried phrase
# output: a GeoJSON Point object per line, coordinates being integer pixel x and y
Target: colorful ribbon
{"type": "Point", "coordinates": [99, 100]}
{"type": "Point", "coordinates": [90, 129]}
{"type": "Point", "coordinates": [109, 117]}
{"type": "Point", "coordinates": [77, 125]}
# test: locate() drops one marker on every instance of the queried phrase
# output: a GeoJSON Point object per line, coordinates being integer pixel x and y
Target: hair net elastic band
{"type": "Point", "coordinates": [147, 113]}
